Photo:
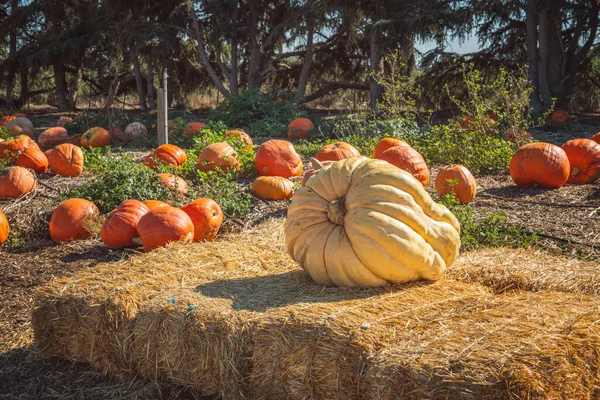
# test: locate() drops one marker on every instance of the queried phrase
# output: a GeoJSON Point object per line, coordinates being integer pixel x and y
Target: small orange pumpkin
{"type": "Point", "coordinates": [120, 227]}
{"type": "Point", "coordinates": [560, 117]}
{"type": "Point", "coordinates": [95, 137]}
{"type": "Point", "coordinates": [4, 228]}
{"type": "Point", "coordinates": [316, 167]}
{"type": "Point", "coordinates": [166, 154]}
{"type": "Point", "coordinates": [53, 137]}
{"type": "Point", "coordinates": [464, 189]}
{"type": "Point", "coordinates": [193, 128]}
{"type": "Point", "coordinates": [278, 158]}
{"type": "Point", "coordinates": [174, 182]}
{"type": "Point", "coordinates": [220, 155]}
{"type": "Point", "coordinates": [207, 217]}
{"type": "Point", "coordinates": [272, 188]}
{"type": "Point", "coordinates": [152, 204]}
{"type": "Point", "coordinates": [596, 137]}
{"type": "Point", "coordinates": [16, 182]}
{"type": "Point", "coordinates": [299, 128]}
{"type": "Point", "coordinates": [10, 148]}
{"type": "Point", "coordinates": [540, 164]}
{"type": "Point", "coordinates": [34, 159]}
{"type": "Point", "coordinates": [387, 143]}
{"type": "Point", "coordinates": [336, 151]}
{"type": "Point", "coordinates": [408, 159]}
{"type": "Point", "coordinates": [62, 121]}
{"type": "Point", "coordinates": [244, 137]}
{"type": "Point", "coordinates": [584, 160]}
{"type": "Point", "coordinates": [71, 220]}
{"type": "Point", "coordinates": [163, 225]}
{"type": "Point", "coordinates": [20, 126]}
{"type": "Point", "coordinates": [66, 160]}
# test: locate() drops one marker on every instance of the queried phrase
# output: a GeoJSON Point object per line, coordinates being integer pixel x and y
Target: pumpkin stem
{"type": "Point", "coordinates": [336, 211]}
{"type": "Point", "coordinates": [316, 164]}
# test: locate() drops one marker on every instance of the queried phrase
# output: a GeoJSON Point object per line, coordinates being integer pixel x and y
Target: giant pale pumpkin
{"type": "Point", "coordinates": [272, 188]}
{"type": "Point", "coordinates": [20, 126]}
{"type": "Point", "coordinates": [299, 128]}
{"type": "Point", "coordinates": [278, 158]}
{"type": "Point", "coordinates": [336, 151]}
{"type": "Point", "coordinates": [4, 228]}
{"type": "Point", "coordinates": [16, 182]}
{"type": "Point", "coordinates": [166, 154]}
{"type": "Point", "coordinates": [66, 160]}
{"type": "Point", "coordinates": [34, 159]}
{"type": "Point", "coordinates": [387, 143]}
{"type": "Point", "coordinates": [120, 227]}
{"type": "Point", "coordinates": [218, 155]}
{"type": "Point", "coordinates": [316, 166]}
{"type": "Point", "coordinates": [408, 159]}
{"type": "Point", "coordinates": [207, 216]}
{"type": "Point", "coordinates": [53, 137]}
{"type": "Point", "coordinates": [95, 137]}
{"type": "Point", "coordinates": [456, 179]}
{"type": "Point", "coordinates": [540, 164]}
{"type": "Point", "coordinates": [72, 220]}
{"type": "Point", "coordinates": [11, 148]}
{"type": "Point", "coordinates": [163, 225]}
{"type": "Point", "coordinates": [584, 160]}
{"type": "Point", "coordinates": [364, 222]}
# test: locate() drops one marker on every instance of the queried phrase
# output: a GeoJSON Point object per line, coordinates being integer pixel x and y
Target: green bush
{"type": "Point", "coordinates": [259, 114]}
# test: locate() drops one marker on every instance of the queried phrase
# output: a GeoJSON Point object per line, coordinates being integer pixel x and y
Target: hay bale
{"type": "Point", "coordinates": [540, 345]}
{"type": "Point", "coordinates": [523, 269]}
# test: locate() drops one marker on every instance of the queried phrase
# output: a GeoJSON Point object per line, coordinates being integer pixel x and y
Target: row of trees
{"type": "Point", "coordinates": [310, 48]}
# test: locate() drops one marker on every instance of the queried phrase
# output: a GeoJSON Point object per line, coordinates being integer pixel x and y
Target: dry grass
{"type": "Point", "coordinates": [238, 318]}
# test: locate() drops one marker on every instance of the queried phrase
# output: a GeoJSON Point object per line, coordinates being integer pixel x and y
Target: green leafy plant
{"type": "Point", "coordinates": [5, 133]}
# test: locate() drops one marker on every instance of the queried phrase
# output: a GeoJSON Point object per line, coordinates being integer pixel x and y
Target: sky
{"type": "Point", "coordinates": [470, 45]}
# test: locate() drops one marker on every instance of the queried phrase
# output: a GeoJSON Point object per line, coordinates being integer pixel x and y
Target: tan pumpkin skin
{"type": "Point", "coordinates": [163, 225]}
{"type": "Point", "coordinates": [66, 160]}
{"type": "Point", "coordinates": [34, 159]}
{"type": "Point", "coordinates": [272, 188]}
{"type": "Point", "coordinates": [135, 129]}
{"type": "Point", "coordinates": [207, 217]}
{"type": "Point", "coordinates": [4, 228]}
{"type": "Point", "coordinates": [364, 222]}
{"type": "Point", "coordinates": [16, 182]}
{"type": "Point", "coordinates": [69, 221]}
{"type": "Point", "coordinates": [95, 137]}
{"type": "Point", "coordinates": [584, 160]}
{"type": "Point", "coordinates": [540, 164]}
{"type": "Point", "coordinates": [336, 151]}
{"type": "Point", "coordinates": [466, 188]}
{"type": "Point", "coordinates": [120, 227]}
{"type": "Point", "coordinates": [316, 167]}
{"type": "Point", "coordinates": [408, 159]}
{"type": "Point", "coordinates": [53, 137]}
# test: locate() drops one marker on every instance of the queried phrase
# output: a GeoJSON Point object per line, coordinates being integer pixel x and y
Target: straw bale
{"type": "Point", "coordinates": [520, 346]}
{"type": "Point", "coordinates": [524, 269]}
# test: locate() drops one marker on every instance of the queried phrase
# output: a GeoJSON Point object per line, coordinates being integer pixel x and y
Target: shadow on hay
{"type": "Point", "coordinates": [514, 192]}
{"type": "Point", "coordinates": [289, 288]}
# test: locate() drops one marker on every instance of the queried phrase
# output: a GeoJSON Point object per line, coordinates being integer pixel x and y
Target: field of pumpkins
{"type": "Point", "coordinates": [364, 211]}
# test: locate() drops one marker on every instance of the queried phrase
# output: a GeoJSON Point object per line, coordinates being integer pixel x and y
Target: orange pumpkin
{"type": "Point", "coordinates": [166, 154]}
{"type": "Point", "coordinates": [584, 160]}
{"type": "Point", "coordinates": [560, 117]}
{"type": "Point", "coordinates": [316, 167]}
{"type": "Point", "coordinates": [207, 216]}
{"type": "Point", "coordinates": [272, 188]}
{"type": "Point", "coordinates": [152, 204]}
{"type": "Point", "coordinates": [163, 225]}
{"type": "Point", "coordinates": [220, 155]}
{"type": "Point", "coordinates": [10, 148]}
{"type": "Point", "coordinates": [299, 128]}
{"type": "Point", "coordinates": [34, 159]}
{"type": "Point", "coordinates": [120, 227]}
{"type": "Point", "coordinates": [408, 159]}
{"type": "Point", "coordinates": [20, 126]}
{"type": "Point", "coordinates": [465, 187]}
{"type": "Point", "coordinates": [387, 143]}
{"type": "Point", "coordinates": [95, 137]}
{"type": "Point", "coordinates": [540, 164]}
{"type": "Point", "coordinates": [62, 121]}
{"type": "Point", "coordinates": [16, 182]}
{"type": "Point", "coordinates": [71, 220]}
{"type": "Point", "coordinates": [75, 139]}
{"type": "Point", "coordinates": [66, 160]}
{"type": "Point", "coordinates": [336, 151]}
{"type": "Point", "coordinates": [174, 182]}
{"type": "Point", "coordinates": [53, 137]}
{"type": "Point", "coordinates": [244, 137]}
{"type": "Point", "coordinates": [193, 128]}
{"type": "Point", "coordinates": [596, 137]}
{"type": "Point", "coordinates": [278, 158]}
{"type": "Point", "coordinates": [4, 228]}
{"type": "Point", "coordinates": [6, 118]}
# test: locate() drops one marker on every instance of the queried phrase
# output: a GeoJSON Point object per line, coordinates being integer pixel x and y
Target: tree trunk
{"type": "Point", "coordinates": [532, 52]}
{"type": "Point", "coordinates": [60, 81]}
{"type": "Point", "coordinates": [544, 86]}
{"type": "Point", "coordinates": [139, 81]}
{"type": "Point", "coordinates": [150, 90]}
{"type": "Point", "coordinates": [74, 86]}
{"type": "Point", "coordinates": [308, 58]}
{"type": "Point", "coordinates": [375, 66]}
{"type": "Point", "coordinates": [11, 70]}
{"type": "Point", "coordinates": [233, 76]}
{"type": "Point", "coordinates": [24, 83]}
{"type": "Point", "coordinates": [254, 78]}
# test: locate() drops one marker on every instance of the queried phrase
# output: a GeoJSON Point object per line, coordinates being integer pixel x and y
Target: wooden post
{"type": "Point", "coordinates": [163, 109]}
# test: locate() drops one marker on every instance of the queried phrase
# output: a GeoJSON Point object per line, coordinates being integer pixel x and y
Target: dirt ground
{"type": "Point", "coordinates": [568, 221]}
